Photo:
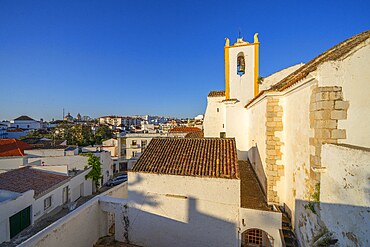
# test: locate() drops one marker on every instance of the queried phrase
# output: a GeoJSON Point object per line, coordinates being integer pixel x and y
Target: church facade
{"type": "Point", "coordinates": [294, 125]}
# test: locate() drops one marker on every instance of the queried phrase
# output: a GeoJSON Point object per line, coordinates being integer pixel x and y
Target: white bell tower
{"type": "Point", "coordinates": [241, 69]}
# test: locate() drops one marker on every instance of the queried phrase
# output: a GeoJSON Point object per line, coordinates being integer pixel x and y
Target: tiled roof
{"type": "Point", "coordinates": [216, 94]}
{"type": "Point", "coordinates": [185, 129]}
{"type": "Point", "coordinates": [203, 157]}
{"type": "Point", "coordinates": [26, 178]}
{"type": "Point", "coordinates": [24, 118]}
{"type": "Point", "coordinates": [334, 53]}
{"type": "Point", "coordinates": [12, 147]}
{"type": "Point", "coordinates": [198, 134]}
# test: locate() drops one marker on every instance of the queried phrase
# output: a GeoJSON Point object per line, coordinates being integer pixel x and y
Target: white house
{"type": "Point", "coordinates": [23, 202]}
{"type": "Point", "coordinates": [25, 122]}
{"type": "Point", "coordinates": [188, 192]}
{"type": "Point", "coordinates": [12, 154]}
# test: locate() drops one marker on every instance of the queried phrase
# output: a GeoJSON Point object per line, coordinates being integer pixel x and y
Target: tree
{"type": "Point", "coordinates": [103, 132]}
{"type": "Point", "coordinates": [95, 173]}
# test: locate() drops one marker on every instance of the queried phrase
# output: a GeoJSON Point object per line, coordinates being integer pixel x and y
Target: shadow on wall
{"type": "Point", "coordinates": [318, 223]}
{"type": "Point", "coordinates": [256, 162]}
{"type": "Point", "coordinates": [172, 220]}
{"type": "Point", "coordinates": [194, 229]}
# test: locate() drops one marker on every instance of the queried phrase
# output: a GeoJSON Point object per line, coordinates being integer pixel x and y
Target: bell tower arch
{"type": "Point", "coordinates": [241, 69]}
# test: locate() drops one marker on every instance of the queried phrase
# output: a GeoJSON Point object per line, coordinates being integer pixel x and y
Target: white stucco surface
{"type": "Point", "coordinates": [296, 148]}
{"type": "Point", "coordinates": [344, 193]}
{"type": "Point", "coordinates": [242, 87]}
{"type": "Point", "coordinates": [351, 74]}
{"type": "Point", "coordinates": [167, 210]}
{"type": "Point", "coordinates": [10, 163]}
{"type": "Point", "coordinates": [10, 207]}
{"type": "Point", "coordinates": [214, 117]}
{"type": "Point", "coordinates": [268, 221]}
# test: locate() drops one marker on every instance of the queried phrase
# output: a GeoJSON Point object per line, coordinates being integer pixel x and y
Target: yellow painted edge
{"type": "Point", "coordinates": [236, 46]}
{"type": "Point", "coordinates": [256, 64]}
{"type": "Point", "coordinates": [227, 79]}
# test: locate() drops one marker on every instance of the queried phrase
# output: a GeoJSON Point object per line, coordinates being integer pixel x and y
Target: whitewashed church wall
{"type": "Point", "coordinates": [354, 78]}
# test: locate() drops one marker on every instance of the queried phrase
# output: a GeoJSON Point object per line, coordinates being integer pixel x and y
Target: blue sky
{"type": "Point", "coordinates": [150, 57]}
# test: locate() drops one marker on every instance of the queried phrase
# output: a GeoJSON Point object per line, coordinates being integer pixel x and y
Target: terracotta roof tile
{"type": "Point", "coordinates": [206, 157]}
{"type": "Point", "coordinates": [198, 134]}
{"type": "Point", "coordinates": [334, 53]}
{"type": "Point", "coordinates": [216, 94]}
{"type": "Point", "coordinates": [26, 178]}
{"type": "Point", "coordinates": [24, 118]}
{"type": "Point", "coordinates": [12, 147]}
{"type": "Point", "coordinates": [184, 129]}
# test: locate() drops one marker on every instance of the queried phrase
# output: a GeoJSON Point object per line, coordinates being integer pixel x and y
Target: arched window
{"type": "Point", "coordinates": [256, 238]}
{"type": "Point", "coordinates": [240, 67]}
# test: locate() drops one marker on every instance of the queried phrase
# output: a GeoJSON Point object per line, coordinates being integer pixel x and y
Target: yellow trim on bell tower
{"type": "Point", "coordinates": [256, 64]}
{"type": "Point", "coordinates": [227, 63]}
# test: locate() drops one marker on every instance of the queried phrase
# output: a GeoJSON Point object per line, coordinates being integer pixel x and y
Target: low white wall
{"type": "Point", "coordinates": [270, 222]}
{"type": "Point", "coordinates": [11, 207]}
{"type": "Point", "coordinates": [344, 193]}
{"type": "Point", "coordinates": [44, 152]}
{"type": "Point", "coordinates": [82, 227]}
{"type": "Point", "coordinates": [10, 163]}
{"type": "Point", "coordinates": [190, 211]}
{"type": "Point", "coordinates": [79, 162]}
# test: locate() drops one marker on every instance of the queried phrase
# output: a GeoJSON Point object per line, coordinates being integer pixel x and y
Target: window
{"type": "Point", "coordinates": [133, 154]}
{"type": "Point", "coordinates": [143, 144]}
{"type": "Point", "coordinates": [222, 135]}
{"type": "Point", "coordinates": [65, 194]}
{"type": "Point", "coordinates": [218, 109]}
{"type": "Point", "coordinates": [133, 142]}
{"type": "Point", "coordinates": [240, 68]}
{"type": "Point", "coordinates": [47, 202]}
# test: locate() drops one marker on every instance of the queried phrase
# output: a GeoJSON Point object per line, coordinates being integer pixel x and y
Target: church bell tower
{"type": "Point", "coordinates": [241, 69]}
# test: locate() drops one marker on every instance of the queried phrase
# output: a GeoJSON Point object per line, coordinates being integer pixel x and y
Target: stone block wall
{"type": "Point", "coordinates": [326, 108]}
{"type": "Point", "coordinates": [274, 167]}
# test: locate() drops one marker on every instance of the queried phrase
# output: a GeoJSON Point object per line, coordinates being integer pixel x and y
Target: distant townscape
{"type": "Point", "coordinates": [275, 161]}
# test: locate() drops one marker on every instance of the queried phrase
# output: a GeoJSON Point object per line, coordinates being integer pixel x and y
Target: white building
{"type": "Point", "coordinates": [288, 131]}
{"type": "Point", "coordinates": [22, 203]}
{"type": "Point", "coordinates": [12, 155]}
{"type": "Point", "coordinates": [25, 122]}
{"type": "Point", "coordinates": [189, 192]}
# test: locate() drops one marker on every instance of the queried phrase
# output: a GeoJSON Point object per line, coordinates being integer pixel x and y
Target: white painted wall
{"type": "Point", "coordinates": [256, 138]}
{"type": "Point", "coordinates": [10, 163]}
{"type": "Point", "coordinates": [278, 76]}
{"type": "Point", "coordinates": [25, 124]}
{"type": "Point", "coordinates": [33, 153]}
{"type": "Point", "coordinates": [344, 193]}
{"type": "Point", "coordinates": [82, 227]}
{"type": "Point", "coordinates": [296, 148]}
{"type": "Point", "coordinates": [10, 207]}
{"type": "Point", "coordinates": [56, 200]}
{"type": "Point", "coordinates": [235, 119]}
{"type": "Point", "coordinates": [353, 76]}
{"type": "Point", "coordinates": [189, 210]}
{"type": "Point", "coordinates": [213, 119]}
{"type": "Point", "coordinates": [78, 161]}
{"type": "Point", "coordinates": [242, 87]}
{"type": "Point", "coordinates": [268, 221]}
